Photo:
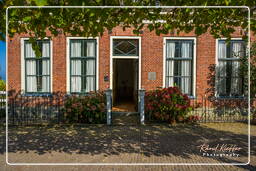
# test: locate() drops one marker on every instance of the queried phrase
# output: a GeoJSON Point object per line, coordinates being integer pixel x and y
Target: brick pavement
{"type": "Point", "coordinates": [125, 144]}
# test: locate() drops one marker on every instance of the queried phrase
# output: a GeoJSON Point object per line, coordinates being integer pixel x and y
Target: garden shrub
{"type": "Point", "coordinates": [192, 119]}
{"type": "Point", "coordinates": [89, 108]}
{"type": "Point", "coordinates": [167, 104]}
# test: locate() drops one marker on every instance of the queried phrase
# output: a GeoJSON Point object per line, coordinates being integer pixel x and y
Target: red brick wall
{"type": "Point", "coordinates": [151, 59]}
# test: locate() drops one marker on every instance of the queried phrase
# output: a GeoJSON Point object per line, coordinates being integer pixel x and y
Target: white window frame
{"type": "Point", "coordinates": [217, 59]}
{"type": "Point", "coordinates": [68, 61]}
{"type": "Point", "coordinates": [194, 60]}
{"type": "Point", "coordinates": [124, 57]}
{"type": "Point", "coordinates": [22, 43]}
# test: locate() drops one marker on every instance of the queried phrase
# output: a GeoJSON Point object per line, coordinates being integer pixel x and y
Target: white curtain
{"type": "Point", "coordinates": [237, 49]}
{"type": "Point", "coordinates": [222, 50]}
{"type": "Point", "coordinates": [185, 68]}
{"type": "Point", "coordinates": [29, 51]}
{"type": "Point", "coordinates": [31, 80]}
{"type": "Point", "coordinates": [46, 49]}
{"type": "Point", "coordinates": [222, 71]}
{"type": "Point", "coordinates": [169, 64]}
{"type": "Point", "coordinates": [222, 77]}
{"type": "Point", "coordinates": [90, 66]}
{"type": "Point", "coordinates": [90, 49]}
{"type": "Point", "coordinates": [76, 80]}
{"type": "Point", "coordinates": [46, 79]}
{"type": "Point", "coordinates": [235, 84]}
{"type": "Point", "coordinates": [76, 49]}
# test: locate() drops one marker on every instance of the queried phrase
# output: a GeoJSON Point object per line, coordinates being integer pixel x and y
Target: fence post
{"type": "Point", "coordinates": [141, 106]}
{"type": "Point", "coordinates": [108, 93]}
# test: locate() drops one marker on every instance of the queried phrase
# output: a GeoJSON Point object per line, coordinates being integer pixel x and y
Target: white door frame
{"type": "Point", "coordinates": [124, 57]}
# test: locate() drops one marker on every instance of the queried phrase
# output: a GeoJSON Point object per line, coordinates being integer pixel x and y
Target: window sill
{"type": "Point", "coordinates": [37, 94]}
{"type": "Point", "coordinates": [231, 97]}
{"type": "Point", "coordinates": [192, 97]}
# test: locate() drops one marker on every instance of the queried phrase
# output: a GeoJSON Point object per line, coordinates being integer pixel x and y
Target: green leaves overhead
{"type": "Point", "coordinates": [91, 22]}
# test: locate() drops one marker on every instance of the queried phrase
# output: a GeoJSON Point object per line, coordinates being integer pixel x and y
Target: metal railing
{"type": "Point", "coordinates": [213, 109]}
{"type": "Point", "coordinates": [2, 105]}
{"type": "Point", "coordinates": [25, 110]}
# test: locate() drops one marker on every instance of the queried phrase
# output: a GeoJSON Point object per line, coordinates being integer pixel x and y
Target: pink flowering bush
{"type": "Point", "coordinates": [167, 104]}
{"type": "Point", "coordinates": [85, 108]}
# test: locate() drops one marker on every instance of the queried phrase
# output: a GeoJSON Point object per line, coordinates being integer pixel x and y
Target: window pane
{"type": "Point", "coordinates": [90, 84]}
{"type": "Point", "coordinates": [237, 49]}
{"type": "Point", "coordinates": [90, 67]}
{"type": "Point", "coordinates": [46, 49]}
{"type": "Point", "coordinates": [39, 83]}
{"type": "Point", "coordinates": [29, 52]}
{"type": "Point", "coordinates": [39, 67]}
{"type": "Point", "coordinates": [45, 84]}
{"type": "Point", "coordinates": [75, 84]}
{"type": "Point", "coordinates": [31, 67]}
{"type": "Point", "coordinates": [90, 49]}
{"type": "Point", "coordinates": [46, 67]}
{"type": "Point", "coordinates": [185, 85]}
{"type": "Point", "coordinates": [170, 50]}
{"type": "Point", "coordinates": [75, 67]}
{"type": "Point", "coordinates": [222, 50]}
{"type": "Point", "coordinates": [31, 84]}
{"type": "Point", "coordinates": [222, 86]}
{"type": "Point", "coordinates": [177, 49]}
{"type": "Point", "coordinates": [125, 47]}
{"type": "Point", "coordinates": [76, 46]}
{"type": "Point", "coordinates": [186, 49]}
{"type": "Point", "coordinates": [185, 68]}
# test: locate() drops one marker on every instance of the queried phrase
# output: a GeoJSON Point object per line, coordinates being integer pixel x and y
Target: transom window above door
{"type": "Point", "coordinates": [125, 47]}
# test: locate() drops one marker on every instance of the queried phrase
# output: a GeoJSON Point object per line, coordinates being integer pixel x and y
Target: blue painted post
{"type": "Point", "coordinates": [109, 105]}
{"type": "Point", "coordinates": [141, 106]}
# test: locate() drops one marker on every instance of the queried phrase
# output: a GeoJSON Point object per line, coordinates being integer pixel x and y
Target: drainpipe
{"type": "Point", "coordinates": [108, 93]}
{"type": "Point", "coordinates": [141, 106]}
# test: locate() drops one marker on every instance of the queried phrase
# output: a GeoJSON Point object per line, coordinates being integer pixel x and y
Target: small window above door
{"type": "Point", "coordinates": [125, 47]}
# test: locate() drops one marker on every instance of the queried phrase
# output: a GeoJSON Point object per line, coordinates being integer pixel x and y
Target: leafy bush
{"type": "Point", "coordinates": [2, 113]}
{"type": "Point", "coordinates": [192, 119]}
{"type": "Point", "coordinates": [86, 109]}
{"type": "Point", "coordinates": [2, 85]}
{"type": "Point", "coordinates": [167, 104]}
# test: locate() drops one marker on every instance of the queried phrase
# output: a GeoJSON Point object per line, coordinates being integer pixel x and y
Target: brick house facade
{"type": "Point", "coordinates": [151, 60]}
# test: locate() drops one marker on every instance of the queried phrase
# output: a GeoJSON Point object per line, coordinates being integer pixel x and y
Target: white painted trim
{"type": "Point", "coordinates": [22, 40]}
{"type": "Point", "coordinates": [194, 58]}
{"type": "Point", "coordinates": [68, 61]}
{"type": "Point", "coordinates": [216, 58]}
{"type": "Point", "coordinates": [124, 57]}
{"type": "Point", "coordinates": [51, 63]}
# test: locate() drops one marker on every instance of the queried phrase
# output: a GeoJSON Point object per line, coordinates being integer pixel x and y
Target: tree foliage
{"type": "Point", "coordinates": [94, 21]}
{"type": "Point", "coordinates": [2, 85]}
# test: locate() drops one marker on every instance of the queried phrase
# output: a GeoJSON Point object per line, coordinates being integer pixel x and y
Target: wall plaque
{"type": "Point", "coordinates": [152, 76]}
